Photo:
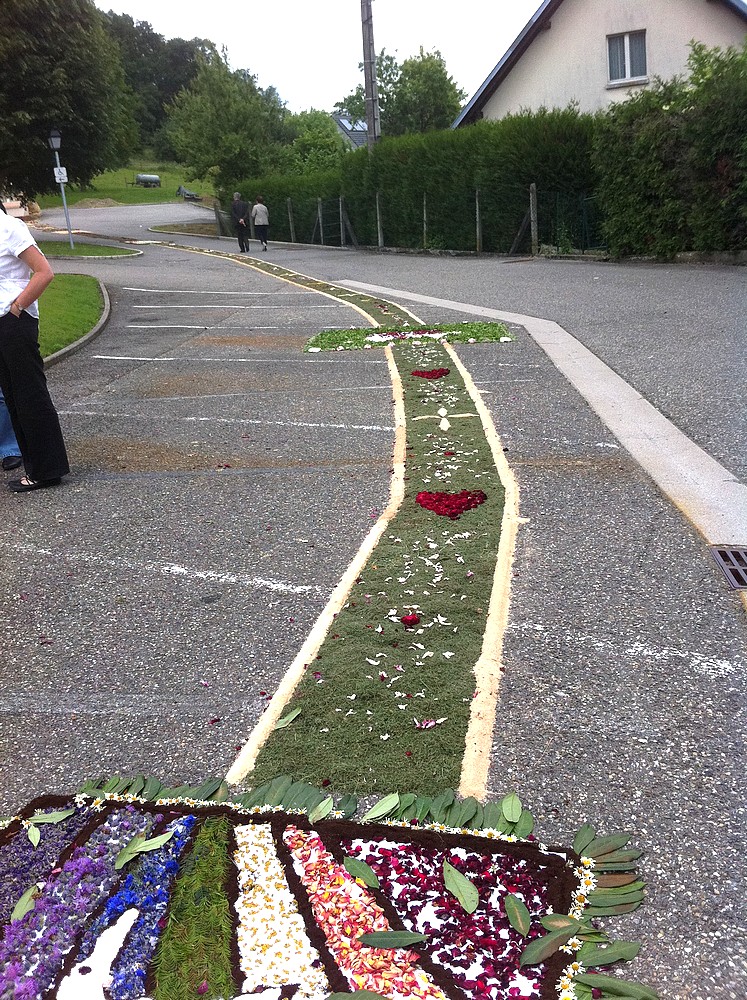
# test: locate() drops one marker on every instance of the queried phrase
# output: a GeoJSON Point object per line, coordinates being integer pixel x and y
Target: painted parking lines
{"type": "Point", "coordinates": [230, 420]}
{"type": "Point", "coordinates": [170, 569]}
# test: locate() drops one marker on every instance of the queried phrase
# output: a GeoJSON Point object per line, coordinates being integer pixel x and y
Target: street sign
{"type": "Point", "coordinates": [60, 175]}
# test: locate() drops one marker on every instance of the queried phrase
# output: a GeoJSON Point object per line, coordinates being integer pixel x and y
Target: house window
{"type": "Point", "coordinates": [626, 55]}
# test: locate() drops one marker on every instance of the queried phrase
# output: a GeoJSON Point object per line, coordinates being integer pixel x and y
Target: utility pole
{"type": "Point", "coordinates": [373, 121]}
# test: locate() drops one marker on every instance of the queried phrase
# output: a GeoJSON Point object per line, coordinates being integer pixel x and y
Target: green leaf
{"type": "Point", "coordinates": [137, 785]}
{"type": "Point", "coordinates": [207, 789]}
{"type": "Point", "coordinates": [606, 845]}
{"type": "Point", "coordinates": [359, 869]}
{"type": "Point", "coordinates": [347, 805]}
{"type": "Point", "coordinates": [111, 784]}
{"type": "Point", "coordinates": [278, 787]}
{"type": "Point", "coordinates": [525, 824]}
{"type": "Point", "coordinates": [511, 807]}
{"type": "Point", "coordinates": [559, 921]}
{"type": "Point", "coordinates": [51, 817]}
{"type": "Point", "coordinates": [151, 789]}
{"type": "Point", "coordinates": [441, 805]}
{"type": "Point", "coordinates": [541, 948]}
{"type": "Point", "coordinates": [221, 793]}
{"type": "Point", "coordinates": [287, 719]}
{"type": "Point", "coordinates": [612, 911]}
{"type": "Point", "coordinates": [422, 808]}
{"type": "Point", "coordinates": [382, 808]}
{"type": "Point", "coordinates": [258, 797]}
{"type": "Point", "coordinates": [517, 913]}
{"type": "Point", "coordinates": [592, 956]}
{"type": "Point", "coordinates": [322, 810]}
{"type": "Point", "coordinates": [583, 838]}
{"type": "Point", "coordinates": [34, 835]}
{"type": "Point", "coordinates": [155, 842]}
{"type": "Point", "coordinates": [391, 939]}
{"type": "Point", "coordinates": [478, 820]}
{"type": "Point", "coordinates": [492, 816]}
{"type": "Point", "coordinates": [405, 801]}
{"type": "Point", "coordinates": [616, 987]}
{"type": "Point", "coordinates": [26, 903]}
{"type": "Point", "coordinates": [461, 887]}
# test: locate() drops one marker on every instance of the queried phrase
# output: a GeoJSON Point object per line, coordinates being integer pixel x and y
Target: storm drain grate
{"type": "Point", "coordinates": [733, 561]}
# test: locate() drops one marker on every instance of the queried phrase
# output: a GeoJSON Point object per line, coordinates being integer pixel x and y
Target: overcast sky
{"type": "Point", "coordinates": [309, 50]}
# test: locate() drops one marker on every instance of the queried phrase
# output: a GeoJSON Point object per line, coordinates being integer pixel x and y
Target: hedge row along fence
{"type": "Point", "coordinates": [661, 173]}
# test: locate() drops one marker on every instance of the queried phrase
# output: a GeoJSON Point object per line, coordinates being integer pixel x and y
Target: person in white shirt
{"type": "Point", "coordinates": [24, 274]}
{"type": "Point", "coordinates": [261, 220]}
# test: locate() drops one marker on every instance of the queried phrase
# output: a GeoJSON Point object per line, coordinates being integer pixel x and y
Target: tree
{"type": "Point", "coordinates": [58, 67]}
{"type": "Point", "coordinates": [425, 97]}
{"type": "Point", "coordinates": [226, 127]}
{"type": "Point", "coordinates": [318, 144]}
{"type": "Point", "coordinates": [418, 96]}
{"type": "Point", "coordinates": [155, 69]}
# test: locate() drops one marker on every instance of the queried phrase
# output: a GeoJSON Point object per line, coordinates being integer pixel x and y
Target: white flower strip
{"type": "Point", "coordinates": [275, 950]}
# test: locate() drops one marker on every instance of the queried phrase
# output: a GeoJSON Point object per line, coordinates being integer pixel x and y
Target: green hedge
{"type": "Point", "coordinates": [672, 161]}
{"type": "Point", "coordinates": [667, 167]}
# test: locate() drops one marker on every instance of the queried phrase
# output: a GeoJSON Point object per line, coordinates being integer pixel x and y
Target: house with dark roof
{"type": "Point", "coordinates": [596, 52]}
{"type": "Point", "coordinates": [354, 133]}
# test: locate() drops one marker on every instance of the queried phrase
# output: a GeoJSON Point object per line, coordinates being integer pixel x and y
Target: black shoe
{"type": "Point", "coordinates": [25, 485]}
{"type": "Point", "coordinates": [11, 462]}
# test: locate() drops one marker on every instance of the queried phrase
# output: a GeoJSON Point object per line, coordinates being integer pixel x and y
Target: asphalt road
{"type": "Point", "coordinates": [222, 482]}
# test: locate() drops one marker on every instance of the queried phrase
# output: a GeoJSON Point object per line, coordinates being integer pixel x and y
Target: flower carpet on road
{"type": "Point", "coordinates": [386, 701]}
{"type": "Point", "coordinates": [168, 894]}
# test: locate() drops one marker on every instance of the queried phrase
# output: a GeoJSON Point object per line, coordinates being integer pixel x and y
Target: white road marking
{"type": "Point", "coordinates": [227, 420]}
{"type": "Point", "coordinates": [176, 570]}
{"type": "Point", "coordinates": [192, 291]}
{"type": "Point", "coordinates": [267, 361]}
{"type": "Point", "coordinates": [182, 326]}
{"type": "Point", "coordinates": [218, 305]}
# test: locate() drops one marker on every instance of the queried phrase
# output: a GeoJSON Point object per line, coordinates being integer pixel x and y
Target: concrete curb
{"type": "Point", "coordinates": [65, 352]}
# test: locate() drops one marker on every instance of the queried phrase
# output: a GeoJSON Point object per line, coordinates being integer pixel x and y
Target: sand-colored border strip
{"type": "Point", "coordinates": [479, 737]}
{"type": "Point", "coordinates": [246, 759]}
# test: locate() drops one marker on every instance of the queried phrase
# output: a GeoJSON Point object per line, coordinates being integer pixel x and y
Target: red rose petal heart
{"type": "Point", "coordinates": [433, 373]}
{"type": "Point", "coordinates": [451, 505]}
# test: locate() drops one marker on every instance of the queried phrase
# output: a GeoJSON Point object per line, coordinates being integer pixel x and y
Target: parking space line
{"type": "Point", "coordinates": [229, 420]}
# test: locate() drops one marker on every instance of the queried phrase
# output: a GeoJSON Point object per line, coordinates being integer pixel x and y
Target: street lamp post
{"type": "Point", "coordinates": [60, 175]}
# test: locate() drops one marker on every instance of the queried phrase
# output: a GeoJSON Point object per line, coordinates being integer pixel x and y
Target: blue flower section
{"type": "Point", "coordinates": [147, 887]}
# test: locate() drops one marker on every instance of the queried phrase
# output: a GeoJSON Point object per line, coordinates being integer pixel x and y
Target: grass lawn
{"type": "Point", "coordinates": [69, 308]}
{"type": "Point", "coordinates": [118, 186]}
{"type": "Point", "coordinates": [57, 248]}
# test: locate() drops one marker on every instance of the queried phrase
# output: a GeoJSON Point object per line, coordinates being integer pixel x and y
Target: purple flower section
{"type": "Point", "coordinates": [146, 887]}
{"type": "Point", "coordinates": [33, 948]}
{"type": "Point", "coordinates": [21, 864]}
{"type": "Point", "coordinates": [481, 950]}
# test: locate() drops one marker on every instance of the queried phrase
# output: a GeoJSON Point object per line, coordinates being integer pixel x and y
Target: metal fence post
{"type": "Point", "coordinates": [342, 221]}
{"type": "Point", "coordinates": [478, 222]}
{"type": "Point", "coordinates": [533, 218]}
{"type": "Point", "coordinates": [320, 217]}
{"type": "Point", "coordinates": [289, 202]}
{"type": "Point", "coordinates": [379, 223]}
{"type": "Point", "coordinates": [425, 221]}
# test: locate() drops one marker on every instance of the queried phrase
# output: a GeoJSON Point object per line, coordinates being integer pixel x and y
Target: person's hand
{"type": "Point", "coordinates": [242, 222]}
{"type": "Point", "coordinates": [15, 309]}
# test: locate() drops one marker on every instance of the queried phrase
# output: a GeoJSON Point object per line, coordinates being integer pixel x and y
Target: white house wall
{"type": "Point", "coordinates": [569, 61]}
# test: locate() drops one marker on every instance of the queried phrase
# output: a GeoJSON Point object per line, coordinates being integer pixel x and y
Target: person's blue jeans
{"type": "Point", "coordinates": [8, 443]}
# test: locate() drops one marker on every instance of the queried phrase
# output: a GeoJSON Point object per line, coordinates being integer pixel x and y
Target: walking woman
{"type": "Point", "coordinates": [24, 274]}
{"type": "Point", "coordinates": [261, 220]}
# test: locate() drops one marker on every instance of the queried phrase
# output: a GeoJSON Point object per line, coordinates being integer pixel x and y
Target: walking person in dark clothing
{"type": "Point", "coordinates": [240, 215]}
{"type": "Point", "coordinates": [24, 274]}
{"type": "Point", "coordinates": [261, 220]}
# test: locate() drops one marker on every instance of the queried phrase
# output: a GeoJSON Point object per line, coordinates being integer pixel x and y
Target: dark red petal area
{"type": "Point", "coordinates": [451, 505]}
{"type": "Point", "coordinates": [434, 373]}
